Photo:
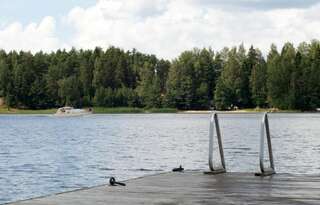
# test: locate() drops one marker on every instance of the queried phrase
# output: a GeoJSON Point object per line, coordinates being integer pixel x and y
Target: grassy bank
{"type": "Point", "coordinates": [4, 110]}
{"type": "Point", "coordinates": [119, 110]}
{"type": "Point", "coordinates": [267, 110]}
{"type": "Point", "coordinates": [128, 110]}
{"type": "Point", "coordinates": [247, 110]}
{"type": "Point", "coordinates": [96, 110]}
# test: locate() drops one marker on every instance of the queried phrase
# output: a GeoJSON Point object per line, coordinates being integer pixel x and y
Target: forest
{"type": "Point", "coordinates": [198, 79]}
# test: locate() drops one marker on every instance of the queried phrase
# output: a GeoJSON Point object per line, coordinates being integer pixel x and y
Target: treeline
{"type": "Point", "coordinates": [108, 78]}
{"type": "Point", "coordinates": [198, 79]}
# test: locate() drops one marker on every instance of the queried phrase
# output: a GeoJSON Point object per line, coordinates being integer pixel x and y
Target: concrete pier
{"type": "Point", "coordinates": [195, 188]}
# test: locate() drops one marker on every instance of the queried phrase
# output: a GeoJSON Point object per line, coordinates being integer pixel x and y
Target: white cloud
{"type": "Point", "coordinates": [168, 27]}
{"type": "Point", "coordinates": [32, 37]}
{"type": "Point", "coordinates": [262, 4]}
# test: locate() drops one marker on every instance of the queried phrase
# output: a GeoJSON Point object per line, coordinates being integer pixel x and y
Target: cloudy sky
{"type": "Point", "coordinates": [162, 27]}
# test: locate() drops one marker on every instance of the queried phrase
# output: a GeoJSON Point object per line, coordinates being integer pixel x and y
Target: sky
{"type": "Point", "coordinates": [161, 27]}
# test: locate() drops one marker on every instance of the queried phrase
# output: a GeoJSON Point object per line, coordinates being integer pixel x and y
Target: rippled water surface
{"type": "Point", "coordinates": [41, 155]}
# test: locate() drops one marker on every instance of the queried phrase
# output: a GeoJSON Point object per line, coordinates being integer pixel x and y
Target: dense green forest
{"type": "Point", "coordinates": [198, 79]}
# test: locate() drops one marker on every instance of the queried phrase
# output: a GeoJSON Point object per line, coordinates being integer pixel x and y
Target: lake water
{"type": "Point", "coordinates": [41, 155]}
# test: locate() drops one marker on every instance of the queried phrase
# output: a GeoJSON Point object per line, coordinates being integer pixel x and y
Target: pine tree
{"type": "Point", "coordinates": [273, 68]}
{"type": "Point", "coordinates": [258, 81]}
{"type": "Point", "coordinates": [228, 94]}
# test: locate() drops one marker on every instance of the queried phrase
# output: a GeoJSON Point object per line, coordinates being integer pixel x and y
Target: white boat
{"type": "Point", "coordinates": [70, 111]}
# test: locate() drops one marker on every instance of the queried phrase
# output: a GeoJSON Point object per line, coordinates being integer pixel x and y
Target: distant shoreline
{"type": "Point", "coordinates": [96, 110]}
{"type": "Point", "coordinates": [129, 110]}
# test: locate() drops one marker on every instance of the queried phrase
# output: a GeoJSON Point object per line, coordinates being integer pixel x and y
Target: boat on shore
{"type": "Point", "coordinates": [70, 111]}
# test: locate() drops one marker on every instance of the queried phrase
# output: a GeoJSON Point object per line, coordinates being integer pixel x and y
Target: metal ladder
{"type": "Point", "coordinates": [214, 125]}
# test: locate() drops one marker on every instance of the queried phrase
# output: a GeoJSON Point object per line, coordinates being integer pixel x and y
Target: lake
{"type": "Point", "coordinates": [41, 155]}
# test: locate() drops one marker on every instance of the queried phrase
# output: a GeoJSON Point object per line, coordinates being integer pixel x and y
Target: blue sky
{"type": "Point", "coordinates": [162, 27]}
{"type": "Point", "coordinates": [26, 11]}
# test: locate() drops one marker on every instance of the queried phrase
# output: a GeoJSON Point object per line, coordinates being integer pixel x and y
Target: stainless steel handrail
{"type": "Point", "coordinates": [214, 125]}
{"type": "Point", "coordinates": [265, 129]}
